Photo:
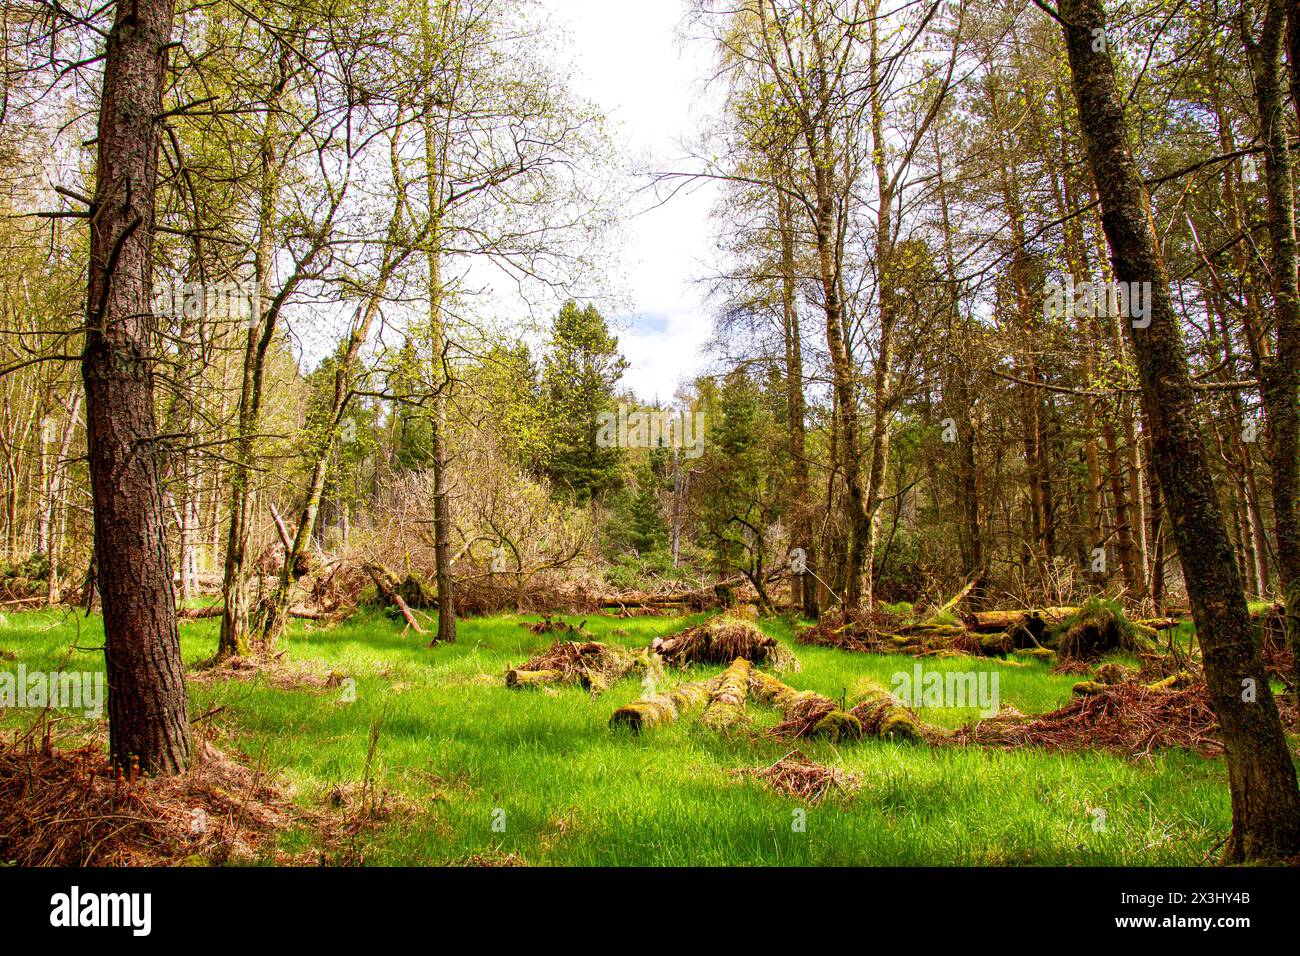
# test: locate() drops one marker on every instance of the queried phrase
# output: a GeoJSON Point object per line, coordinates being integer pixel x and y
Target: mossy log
{"type": "Point", "coordinates": [1159, 623]}
{"type": "Point", "coordinates": [1265, 611]}
{"type": "Point", "coordinates": [1034, 619]}
{"type": "Point", "coordinates": [1173, 682]}
{"type": "Point", "coordinates": [832, 722]}
{"type": "Point", "coordinates": [522, 678]}
{"type": "Point", "coordinates": [838, 725]}
{"type": "Point", "coordinates": [663, 708]}
{"type": "Point", "coordinates": [769, 690]}
{"type": "Point", "coordinates": [882, 715]}
{"type": "Point", "coordinates": [727, 701]}
{"type": "Point", "coordinates": [933, 630]}
{"type": "Point", "coordinates": [998, 644]}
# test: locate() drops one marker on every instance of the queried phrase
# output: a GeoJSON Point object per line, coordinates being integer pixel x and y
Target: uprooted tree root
{"type": "Point", "coordinates": [1125, 718]}
{"type": "Point", "coordinates": [720, 640]}
{"type": "Point", "coordinates": [796, 776]}
{"type": "Point", "coordinates": [66, 808]}
{"type": "Point", "coordinates": [1100, 627]}
{"type": "Point", "coordinates": [590, 664]}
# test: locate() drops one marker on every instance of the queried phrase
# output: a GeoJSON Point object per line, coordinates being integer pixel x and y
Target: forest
{"type": "Point", "coordinates": [338, 527]}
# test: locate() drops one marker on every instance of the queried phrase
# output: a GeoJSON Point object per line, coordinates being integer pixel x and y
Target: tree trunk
{"type": "Point", "coordinates": [1280, 374]}
{"type": "Point", "coordinates": [435, 147]}
{"type": "Point", "coordinates": [1261, 773]}
{"type": "Point", "coordinates": [147, 706]}
{"type": "Point", "coordinates": [260, 333]}
{"type": "Point", "coordinates": [803, 589]}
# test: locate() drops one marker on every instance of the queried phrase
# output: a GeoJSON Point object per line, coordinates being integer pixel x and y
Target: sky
{"type": "Point", "coordinates": [630, 62]}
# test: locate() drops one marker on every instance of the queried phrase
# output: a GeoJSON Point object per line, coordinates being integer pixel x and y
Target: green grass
{"type": "Point", "coordinates": [463, 752]}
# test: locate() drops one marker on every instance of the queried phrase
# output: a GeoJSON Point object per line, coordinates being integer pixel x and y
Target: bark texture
{"type": "Point", "coordinates": [147, 706]}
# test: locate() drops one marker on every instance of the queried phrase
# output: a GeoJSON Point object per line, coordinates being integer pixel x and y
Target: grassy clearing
{"type": "Point", "coordinates": [460, 752]}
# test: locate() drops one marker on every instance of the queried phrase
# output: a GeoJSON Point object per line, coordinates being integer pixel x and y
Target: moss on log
{"type": "Point", "coordinates": [996, 645]}
{"type": "Point", "coordinates": [662, 708]}
{"type": "Point", "coordinates": [1173, 682]}
{"type": "Point", "coordinates": [727, 701]}
{"type": "Point", "coordinates": [769, 690]}
{"type": "Point", "coordinates": [838, 725]}
{"type": "Point", "coordinates": [1036, 620]}
{"type": "Point", "coordinates": [1087, 688]}
{"type": "Point", "coordinates": [882, 715]}
{"type": "Point", "coordinates": [516, 677]}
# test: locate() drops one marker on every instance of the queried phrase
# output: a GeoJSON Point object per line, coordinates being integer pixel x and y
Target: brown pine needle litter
{"type": "Point", "coordinates": [66, 808]}
{"type": "Point", "coordinates": [1124, 718]}
{"type": "Point", "coordinates": [796, 776]}
{"type": "Point", "coordinates": [722, 639]}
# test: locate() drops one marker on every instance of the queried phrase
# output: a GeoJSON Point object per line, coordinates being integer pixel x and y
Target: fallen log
{"type": "Point", "coordinates": [703, 597]}
{"type": "Point", "coordinates": [806, 712]}
{"type": "Point", "coordinates": [662, 708]}
{"type": "Point", "coordinates": [727, 701]}
{"type": "Point", "coordinates": [1268, 610]}
{"type": "Point", "coordinates": [517, 677]}
{"type": "Point", "coordinates": [1033, 619]}
{"type": "Point", "coordinates": [198, 613]}
{"type": "Point", "coordinates": [1159, 623]}
{"type": "Point", "coordinates": [389, 594]}
{"type": "Point", "coordinates": [591, 664]}
{"type": "Point", "coordinates": [298, 611]}
{"type": "Point", "coordinates": [883, 715]}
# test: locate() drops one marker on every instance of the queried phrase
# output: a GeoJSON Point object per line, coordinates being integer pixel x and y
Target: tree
{"type": "Point", "coordinates": [1279, 373]}
{"type": "Point", "coordinates": [148, 710]}
{"type": "Point", "coordinates": [1261, 773]}
{"type": "Point", "coordinates": [578, 378]}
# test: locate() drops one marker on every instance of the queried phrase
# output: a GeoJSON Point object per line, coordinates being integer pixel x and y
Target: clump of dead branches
{"type": "Point", "coordinates": [1127, 718]}
{"type": "Point", "coordinates": [796, 776]}
{"type": "Point", "coordinates": [589, 664]}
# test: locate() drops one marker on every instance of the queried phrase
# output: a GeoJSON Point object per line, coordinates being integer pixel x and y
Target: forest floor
{"type": "Point", "coordinates": [465, 771]}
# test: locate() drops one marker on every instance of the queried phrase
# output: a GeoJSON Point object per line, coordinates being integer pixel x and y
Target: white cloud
{"type": "Point", "coordinates": [630, 63]}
